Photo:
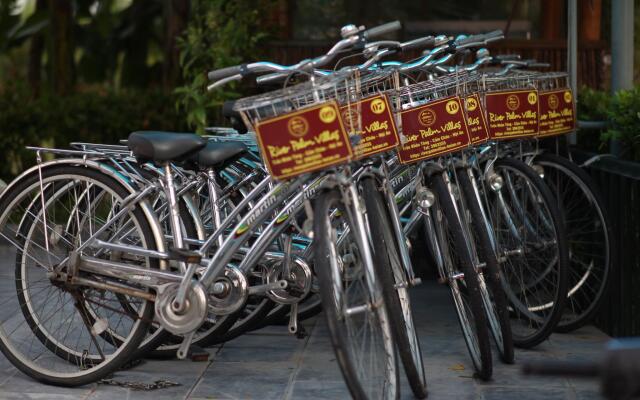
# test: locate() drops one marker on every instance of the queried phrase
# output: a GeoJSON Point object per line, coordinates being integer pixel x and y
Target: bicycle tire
{"type": "Point", "coordinates": [84, 376]}
{"type": "Point", "coordinates": [535, 317]}
{"type": "Point", "coordinates": [492, 269]}
{"type": "Point", "coordinates": [330, 279]}
{"type": "Point", "coordinates": [477, 331]}
{"type": "Point", "coordinates": [394, 286]}
{"type": "Point", "coordinates": [573, 320]}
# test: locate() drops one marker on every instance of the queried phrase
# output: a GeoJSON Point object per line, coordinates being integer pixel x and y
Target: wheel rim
{"type": "Point", "coordinates": [48, 333]}
{"type": "Point", "coordinates": [589, 254]}
{"type": "Point", "coordinates": [528, 251]}
{"type": "Point", "coordinates": [370, 349]}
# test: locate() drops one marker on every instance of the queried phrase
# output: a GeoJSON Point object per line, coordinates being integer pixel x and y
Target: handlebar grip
{"type": "Point", "coordinates": [522, 63]}
{"type": "Point", "coordinates": [507, 57]}
{"type": "Point", "coordinates": [420, 43]}
{"type": "Point", "coordinates": [382, 29]}
{"type": "Point", "coordinates": [470, 39]}
{"type": "Point", "coordinates": [222, 73]}
{"type": "Point", "coordinates": [539, 65]}
{"type": "Point", "coordinates": [494, 35]}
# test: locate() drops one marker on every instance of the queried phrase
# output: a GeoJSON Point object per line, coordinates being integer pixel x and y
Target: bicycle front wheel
{"type": "Point", "coordinates": [353, 305]}
{"type": "Point", "coordinates": [532, 248]}
{"type": "Point", "coordinates": [481, 234]}
{"type": "Point", "coordinates": [458, 271]}
{"type": "Point", "coordinates": [395, 290]}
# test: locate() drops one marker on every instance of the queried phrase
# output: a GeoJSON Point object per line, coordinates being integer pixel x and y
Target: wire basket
{"type": "Point", "coordinates": [556, 104]}
{"type": "Point", "coordinates": [344, 88]}
{"type": "Point", "coordinates": [417, 94]}
{"type": "Point", "coordinates": [544, 81]}
{"type": "Point", "coordinates": [434, 116]}
{"type": "Point", "coordinates": [302, 128]}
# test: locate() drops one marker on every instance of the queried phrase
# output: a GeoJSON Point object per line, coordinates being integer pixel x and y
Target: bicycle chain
{"type": "Point", "coordinates": [140, 386]}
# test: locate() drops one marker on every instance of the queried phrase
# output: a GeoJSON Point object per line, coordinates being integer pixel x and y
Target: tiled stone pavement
{"type": "Point", "coordinates": [270, 364]}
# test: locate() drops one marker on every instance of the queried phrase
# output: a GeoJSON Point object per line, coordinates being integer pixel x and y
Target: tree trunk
{"type": "Point", "coordinates": [176, 15]}
{"type": "Point", "coordinates": [590, 19]}
{"type": "Point", "coordinates": [551, 24]}
{"type": "Point", "coordinates": [36, 49]}
{"type": "Point", "coordinates": [61, 46]}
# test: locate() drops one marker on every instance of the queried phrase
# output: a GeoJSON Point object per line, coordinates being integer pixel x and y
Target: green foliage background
{"type": "Point", "coordinates": [117, 68]}
{"type": "Point", "coordinates": [92, 116]}
{"type": "Point", "coordinates": [621, 111]}
{"type": "Point", "coordinates": [119, 57]}
{"type": "Point", "coordinates": [220, 33]}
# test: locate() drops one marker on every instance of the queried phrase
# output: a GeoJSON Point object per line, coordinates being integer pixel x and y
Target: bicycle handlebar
{"type": "Point", "coordinates": [224, 75]}
{"type": "Point", "coordinates": [237, 72]}
{"type": "Point", "coordinates": [374, 55]}
{"type": "Point", "coordinates": [420, 43]}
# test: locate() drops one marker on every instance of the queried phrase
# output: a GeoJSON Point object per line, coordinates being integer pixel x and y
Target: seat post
{"type": "Point", "coordinates": [179, 304]}
{"type": "Point", "coordinates": [174, 211]}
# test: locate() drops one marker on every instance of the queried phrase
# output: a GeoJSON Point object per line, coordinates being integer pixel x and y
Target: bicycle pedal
{"type": "Point", "coordinates": [198, 354]}
{"type": "Point", "coordinates": [184, 255]}
{"type": "Point", "coordinates": [301, 333]}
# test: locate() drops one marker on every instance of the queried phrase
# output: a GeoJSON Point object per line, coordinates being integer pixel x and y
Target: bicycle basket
{"type": "Point", "coordinates": [434, 121]}
{"type": "Point", "coordinates": [301, 128]}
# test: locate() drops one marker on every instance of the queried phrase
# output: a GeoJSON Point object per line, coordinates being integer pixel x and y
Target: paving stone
{"type": "Point", "coordinates": [588, 395]}
{"type": "Point", "coordinates": [261, 347]}
{"type": "Point", "coordinates": [245, 380]}
{"type": "Point", "coordinates": [20, 383]}
{"type": "Point", "coordinates": [271, 364]}
{"type": "Point", "coordinates": [319, 389]}
{"type": "Point", "coordinates": [36, 396]}
{"type": "Point", "coordinates": [540, 393]}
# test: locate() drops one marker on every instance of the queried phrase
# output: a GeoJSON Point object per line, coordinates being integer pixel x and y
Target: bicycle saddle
{"type": "Point", "coordinates": [160, 146]}
{"type": "Point", "coordinates": [216, 153]}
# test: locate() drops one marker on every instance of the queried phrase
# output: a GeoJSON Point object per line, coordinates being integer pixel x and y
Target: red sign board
{"type": "Point", "coordinates": [512, 114]}
{"type": "Point", "coordinates": [476, 120]}
{"type": "Point", "coordinates": [433, 129]}
{"type": "Point", "coordinates": [372, 120]}
{"type": "Point", "coordinates": [303, 141]}
{"type": "Point", "coordinates": [557, 112]}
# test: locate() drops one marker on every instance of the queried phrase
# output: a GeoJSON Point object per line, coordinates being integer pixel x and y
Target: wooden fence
{"type": "Point", "coordinates": [619, 182]}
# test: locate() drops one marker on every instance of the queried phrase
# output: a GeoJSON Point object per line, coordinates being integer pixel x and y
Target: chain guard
{"type": "Point", "coordinates": [194, 314]}
{"type": "Point", "coordinates": [299, 284]}
{"type": "Point", "coordinates": [236, 295]}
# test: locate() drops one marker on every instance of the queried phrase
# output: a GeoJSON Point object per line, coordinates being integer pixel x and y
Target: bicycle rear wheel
{"type": "Point", "coordinates": [56, 331]}
{"type": "Point", "coordinates": [589, 234]}
{"type": "Point", "coordinates": [354, 308]}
